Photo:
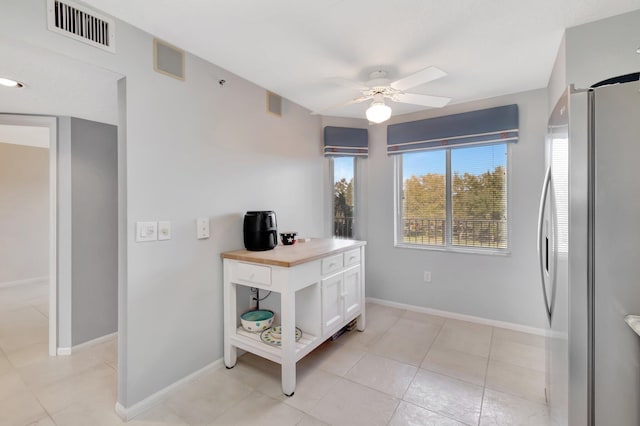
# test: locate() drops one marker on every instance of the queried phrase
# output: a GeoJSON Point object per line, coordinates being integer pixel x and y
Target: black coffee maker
{"type": "Point", "coordinates": [260, 230]}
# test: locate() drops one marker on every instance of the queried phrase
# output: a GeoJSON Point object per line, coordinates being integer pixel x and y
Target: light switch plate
{"type": "Point", "coordinates": [202, 228]}
{"type": "Point", "coordinates": [164, 230]}
{"type": "Point", "coordinates": [146, 231]}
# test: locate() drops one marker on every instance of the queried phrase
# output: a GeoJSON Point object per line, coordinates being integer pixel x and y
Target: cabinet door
{"type": "Point", "coordinates": [332, 311]}
{"type": "Point", "coordinates": [352, 289]}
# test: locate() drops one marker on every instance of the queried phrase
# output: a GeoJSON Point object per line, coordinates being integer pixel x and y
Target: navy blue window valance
{"type": "Point", "coordinates": [487, 126]}
{"type": "Point", "coordinates": [345, 141]}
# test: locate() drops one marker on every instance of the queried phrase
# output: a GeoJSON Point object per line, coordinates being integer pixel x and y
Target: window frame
{"type": "Point", "coordinates": [355, 228]}
{"type": "Point", "coordinates": [447, 247]}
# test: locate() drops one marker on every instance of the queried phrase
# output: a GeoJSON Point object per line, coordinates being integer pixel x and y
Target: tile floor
{"type": "Point", "coordinates": [407, 368]}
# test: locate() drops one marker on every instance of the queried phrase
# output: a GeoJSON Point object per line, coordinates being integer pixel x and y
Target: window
{"type": "Point", "coordinates": [560, 182]}
{"type": "Point", "coordinates": [343, 196]}
{"type": "Point", "coordinates": [453, 198]}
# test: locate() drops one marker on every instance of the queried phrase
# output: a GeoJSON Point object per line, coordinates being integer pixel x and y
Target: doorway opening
{"type": "Point", "coordinates": [29, 214]}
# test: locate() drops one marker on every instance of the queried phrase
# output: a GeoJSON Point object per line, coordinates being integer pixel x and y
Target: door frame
{"type": "Point", "coordinates": [51, 123]}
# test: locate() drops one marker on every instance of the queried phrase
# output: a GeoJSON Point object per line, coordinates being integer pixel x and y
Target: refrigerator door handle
{"type": "Point", "coordinates": [543, 255]}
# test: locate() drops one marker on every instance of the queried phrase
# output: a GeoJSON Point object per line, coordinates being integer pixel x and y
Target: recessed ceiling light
{"type": "Point", "coordinates": [10, 83]}
{"type": "Point", "coordinates": [638, 50]}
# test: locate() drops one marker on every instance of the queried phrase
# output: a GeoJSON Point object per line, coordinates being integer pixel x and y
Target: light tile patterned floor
{"type": "Point", "coordinates": [407, 368]}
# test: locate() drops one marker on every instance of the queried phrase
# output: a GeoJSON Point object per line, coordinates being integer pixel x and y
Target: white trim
{"type": "Point", "coordinates": [462, 317]}
{"type": "Point", "coordinates": [94, 341]}
{"type": "Point", "coordinates": [84, 345]}
{"type": "Point", "coordinates": [344, 154]}
{"type": "Point", "coordinates": [63, 351]}
{"type": "Point", "coordinates": [23, 282]}
{"type": "Point", "coordinates": [127, 413]}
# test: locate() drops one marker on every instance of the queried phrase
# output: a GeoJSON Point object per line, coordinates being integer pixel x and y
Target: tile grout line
{"type": "Point", "coordinates": [432, 343]}
{"type": "Point", "coordinates": [486, 372]}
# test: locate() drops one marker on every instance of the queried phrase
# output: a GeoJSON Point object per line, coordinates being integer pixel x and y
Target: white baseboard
{"type": "Point", "coordinates": [127, 413]}
{"type": "Point", "coordinates": [95, 341]}
{"type": "Point", "coordinates": [23, 282]}
{"type": "Point", "coordinates": [84, 345]}
{"type": "Point", "coordinates": [63, 351]}
{"type": "Point", "coordinates": [462, 317]}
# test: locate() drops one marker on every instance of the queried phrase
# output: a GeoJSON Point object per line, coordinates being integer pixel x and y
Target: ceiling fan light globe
{"type": "Point", "coordinates": [378, 112]}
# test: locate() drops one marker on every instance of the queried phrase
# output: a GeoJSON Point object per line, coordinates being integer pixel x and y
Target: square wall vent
{"type": "Point", "coordinates": [168, 59]}
{"type": "Point", "coordinates": [80, 23]}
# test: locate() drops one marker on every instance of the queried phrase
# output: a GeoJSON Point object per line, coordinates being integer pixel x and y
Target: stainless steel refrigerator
{"type": "Point", "coordinates": [589, 253]}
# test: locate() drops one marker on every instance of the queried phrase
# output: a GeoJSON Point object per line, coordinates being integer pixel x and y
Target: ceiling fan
{"type": "Point", "coordinates": [378, 87]}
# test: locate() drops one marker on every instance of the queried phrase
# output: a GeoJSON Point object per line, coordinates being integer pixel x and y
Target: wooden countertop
{"type": "Point", "coordinates": [296, 254]}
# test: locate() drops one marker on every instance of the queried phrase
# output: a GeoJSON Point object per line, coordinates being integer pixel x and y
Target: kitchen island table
{"type": "Point", "coordinates": [321, 286]}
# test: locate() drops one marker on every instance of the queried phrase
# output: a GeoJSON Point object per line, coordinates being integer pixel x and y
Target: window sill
{"type": "Point", "coordinates": [455, 249]}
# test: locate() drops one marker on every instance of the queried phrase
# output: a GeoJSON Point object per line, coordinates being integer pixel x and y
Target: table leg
{"type": "Point", "coordinates": [229, 296]}
{"type": "Point", "coordinates": [361, 324]}
{"type": "Point", "coordinates": [288, 323]}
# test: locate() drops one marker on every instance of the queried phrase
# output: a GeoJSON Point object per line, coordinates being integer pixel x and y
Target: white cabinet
{"type": "Point", "coordinates": [352, 293]}
{"type": "Point", "coordinates": [341, 299]}
{"type": "Point", "coordinates": [321, 289]}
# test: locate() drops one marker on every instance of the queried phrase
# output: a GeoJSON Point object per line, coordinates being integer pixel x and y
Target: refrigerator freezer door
{"type": "Point", "coordinates": [616, 254]}
{"type": "Point", "coordinates": [557, 336]}
{"type": "Point", "coordinates": [545, 243]}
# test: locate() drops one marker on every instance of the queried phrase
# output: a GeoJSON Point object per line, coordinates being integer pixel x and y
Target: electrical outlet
{"type": "Point", "coordinates": [253, 303]}
{"type": "Point", "coordinates": [427, 276]}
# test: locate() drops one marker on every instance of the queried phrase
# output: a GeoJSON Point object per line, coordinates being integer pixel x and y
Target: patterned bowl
{"type": "Point", "coordinates": [288, 238]}
{"type": "Point", "coordinates": [257, 320]}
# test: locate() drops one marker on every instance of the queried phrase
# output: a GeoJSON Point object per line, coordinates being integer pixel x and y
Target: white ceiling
{"type": "Point", "coordinates": [295, 47]}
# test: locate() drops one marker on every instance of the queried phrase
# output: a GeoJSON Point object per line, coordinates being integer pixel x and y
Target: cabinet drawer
{"type": "Point", "coordinates": [331, 264]}
{"type": "Point", "coordinates": [352, 257]}
{"type": "Point", "coordinates": [248, 273]}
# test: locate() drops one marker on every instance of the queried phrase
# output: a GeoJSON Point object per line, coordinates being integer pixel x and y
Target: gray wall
{"type": "Point", "coordinates": [94, 242]}
{"type": "Point", "coordinates": [24, 212]}
{"type": "Point", "coordinates": [504, 288]}
{"type": "Point", "coordinates": [88, 230]}
{"type": "Point", "coordinates": [593, 52]}
{"type": "Point", "coordinates": [558, 79]}
{"type": "Point", "coordinates": [603, 49]}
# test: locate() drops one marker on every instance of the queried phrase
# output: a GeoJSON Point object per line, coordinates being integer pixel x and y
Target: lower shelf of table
{"type": "Point", "coordinates": [251, 342]}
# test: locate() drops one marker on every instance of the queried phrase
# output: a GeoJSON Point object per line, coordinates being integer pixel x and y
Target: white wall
{"type": "Point", "coordinates": [193, 149]}
{"type": "Point", "coordinates": [504, 288]}
{"type": "Point", "coordinates": [24, 212]}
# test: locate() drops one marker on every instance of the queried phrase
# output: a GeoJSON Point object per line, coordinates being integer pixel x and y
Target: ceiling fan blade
{"type": "Point", "coordinates": [416, 79]}
{"type": "Point", "coordinates": [343, 104]}
{"type": "Point", "coordinates": [424, 100]}
{"type": "Point", "coordinates": [355, 85]}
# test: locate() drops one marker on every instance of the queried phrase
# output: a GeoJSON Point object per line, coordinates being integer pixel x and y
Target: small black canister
{"type": "Point", "coordinates": [260, 230]}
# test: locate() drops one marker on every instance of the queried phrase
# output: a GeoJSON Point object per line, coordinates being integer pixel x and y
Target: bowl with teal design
{"type": "Point", "coordinates": [257, 320]}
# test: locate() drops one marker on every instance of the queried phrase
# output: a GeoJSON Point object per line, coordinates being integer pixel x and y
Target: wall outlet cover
{"type": "Point", "coordinates": [164, 230]}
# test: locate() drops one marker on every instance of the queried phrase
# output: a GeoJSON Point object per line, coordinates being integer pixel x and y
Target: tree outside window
{"type": "Point", "coordinates": [343, 197]}
{"type": "Point", "coordinates": [454, 197]}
